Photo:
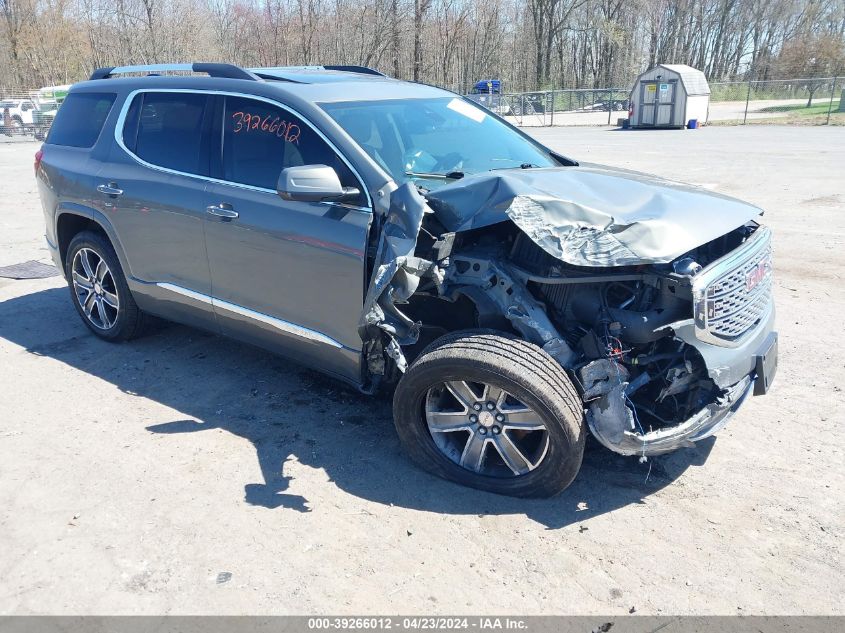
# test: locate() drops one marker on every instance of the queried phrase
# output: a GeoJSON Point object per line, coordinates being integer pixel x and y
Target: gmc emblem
{"type": "Point", "coordinates": [756, 274]}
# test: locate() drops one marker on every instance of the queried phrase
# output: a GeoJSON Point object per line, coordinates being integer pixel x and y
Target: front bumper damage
{"type": "Point", "coordinates": [737, 371]}
{"type": "Point", "coordinates": [614, 423]}
{"type": "Point", "coordinates": [498, 288]}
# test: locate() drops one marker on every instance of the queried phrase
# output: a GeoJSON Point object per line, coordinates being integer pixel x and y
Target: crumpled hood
{"type": "Point", "coordinates": [593, 215]}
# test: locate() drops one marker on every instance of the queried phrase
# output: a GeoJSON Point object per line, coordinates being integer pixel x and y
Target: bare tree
{"type": "Point", "coordinates": [421, 7]}
{"type": "Point", "coordinates": [810, 57]}
{"type": "Point", "coordinates": [541, 43]}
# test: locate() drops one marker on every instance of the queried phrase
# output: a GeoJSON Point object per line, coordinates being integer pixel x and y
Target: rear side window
{"type": "Point", "coordinates": [80, 119]}
{"type": "Point", "coordinates": [260, 139]}
{"type": "Point", "coordinates": [166, 129]}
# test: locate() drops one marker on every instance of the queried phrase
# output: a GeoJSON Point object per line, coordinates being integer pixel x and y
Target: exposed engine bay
{"type": "Point", "coordinates": [614, 329]}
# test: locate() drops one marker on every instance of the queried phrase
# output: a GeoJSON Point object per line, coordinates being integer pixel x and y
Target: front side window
{"type": "Point", "coordinates": [261, 139]}
{"type": "Point", "coordinates": [81, 118]}
{"type": "Point", "coordinates": [166, 130]}
{"type": "Point", "coordinates": [434, 140]}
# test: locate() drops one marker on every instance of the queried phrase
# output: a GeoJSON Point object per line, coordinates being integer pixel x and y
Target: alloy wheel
{"type": "Point", "coordinates": [485, 429]}
{"type": "Point", "coordinates": [95, 289]}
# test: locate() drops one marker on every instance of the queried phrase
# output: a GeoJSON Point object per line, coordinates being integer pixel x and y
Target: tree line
{"type": "Point", "coordinates": [528, 44]}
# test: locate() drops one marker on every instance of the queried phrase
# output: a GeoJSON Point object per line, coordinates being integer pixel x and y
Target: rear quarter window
{"type": "Point", "coordinates": [80, 119]}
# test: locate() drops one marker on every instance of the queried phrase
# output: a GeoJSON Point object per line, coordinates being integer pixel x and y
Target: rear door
{"type": "Point", "coordinates": [152, 190]}
{"type": "Point", "coordinates": [288, 276]}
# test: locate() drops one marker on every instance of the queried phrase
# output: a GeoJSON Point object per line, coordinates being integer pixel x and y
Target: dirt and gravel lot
{"type": "Point", "coordinates": [183, 474]}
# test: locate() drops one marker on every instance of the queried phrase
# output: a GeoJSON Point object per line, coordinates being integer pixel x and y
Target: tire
{"type": "Point", "coordinates": [528, 376]}
{"type": "Point", "coordinates": [122, 323]}
{"type": "Point", "coordinates": [17, 126]}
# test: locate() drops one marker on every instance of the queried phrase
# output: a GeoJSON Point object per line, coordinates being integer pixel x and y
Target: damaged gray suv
{"type": "Point", "coordinates": [397, 236]}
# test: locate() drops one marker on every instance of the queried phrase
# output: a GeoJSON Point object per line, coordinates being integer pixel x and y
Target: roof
{"type": "Point", "coordinates": [362, 89]}
{"type": "Point", "coordinates": [315, 84]}
{"type": "Point", "coordinates": [693, 80]}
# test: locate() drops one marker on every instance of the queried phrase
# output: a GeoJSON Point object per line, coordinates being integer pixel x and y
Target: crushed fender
{"type": "Point", "coordinates": [510, 297]}
{"type": "Point", "coordinates": [397, 274]}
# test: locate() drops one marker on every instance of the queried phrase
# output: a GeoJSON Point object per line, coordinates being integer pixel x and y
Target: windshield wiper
{"type": "Point", "coordinates": [522, 166]}
{"type": "Point", "coordinates": [451, 175]}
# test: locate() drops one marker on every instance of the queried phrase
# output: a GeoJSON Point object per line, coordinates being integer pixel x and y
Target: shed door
{"type": "Point", "coordinates": [648, 98]}
{"type": "Point", "coordinates": [658, 102]}
{"type": "Point", "coordinates": [666, 102]}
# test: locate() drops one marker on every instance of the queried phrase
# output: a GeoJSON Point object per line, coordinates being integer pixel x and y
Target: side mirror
{"type": "Point", "coordinates": [313, 183]}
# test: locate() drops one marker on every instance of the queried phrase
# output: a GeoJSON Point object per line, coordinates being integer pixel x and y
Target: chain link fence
{"type": "Point", "coordinates": [559, 107]}
{"type": "Point", "coordinates": [812, 101]}
{"type": "Point", "coordinates": [789, 101]}
{"type": "Point", "coordinates": [27, 115]}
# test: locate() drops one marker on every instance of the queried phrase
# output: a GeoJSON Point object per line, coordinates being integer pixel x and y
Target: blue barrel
{"type": "Point", "coordinates": [692, 124]}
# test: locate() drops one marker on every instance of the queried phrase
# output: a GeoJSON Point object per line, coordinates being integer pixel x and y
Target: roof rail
{"type": "Point", "coordinates": [265, 72]}
{"type": "Point", "coordinates": [364, 70]}
{"type": "Point", "coordinates": [228, 71]}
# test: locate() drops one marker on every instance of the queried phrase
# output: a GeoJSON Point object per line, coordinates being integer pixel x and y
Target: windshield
{"type": "Point", "coordinates": [433, 142]}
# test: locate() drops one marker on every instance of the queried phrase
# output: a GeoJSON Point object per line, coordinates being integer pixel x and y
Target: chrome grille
{"type": "Point", "coordinates": [735, 293]}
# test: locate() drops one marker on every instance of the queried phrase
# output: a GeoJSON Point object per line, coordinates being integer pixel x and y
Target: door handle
{"type": "Point", "coordinates": [223, 210]}
{"type": "Point", "coordinates": [110, 189]}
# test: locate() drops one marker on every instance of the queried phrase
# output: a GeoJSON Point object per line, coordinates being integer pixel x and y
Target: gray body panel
{"type": "Point", "coordinates": [66, 186]}
{"type": "Point", "coordinates": [302, 263]}
{"type": "Point", "coordinates": [159, 218]}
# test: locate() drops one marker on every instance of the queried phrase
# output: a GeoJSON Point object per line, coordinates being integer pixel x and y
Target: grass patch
{"type": "Point", "coordinates": [836, 118]}
{"type": "Point", "coordinates": [802, 109]}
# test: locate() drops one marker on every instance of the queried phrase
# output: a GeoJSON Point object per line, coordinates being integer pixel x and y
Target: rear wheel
{"type": "Point", "coordinates": [98, 288]}
{"type": "Point", "coordinates": [491, 412]}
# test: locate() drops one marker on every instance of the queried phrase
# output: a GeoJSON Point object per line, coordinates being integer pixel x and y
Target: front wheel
{"type": "Point", "coordinates": [492, 412]}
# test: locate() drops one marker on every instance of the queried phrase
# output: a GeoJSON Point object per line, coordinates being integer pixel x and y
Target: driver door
{"type": "Point", "coordinates": [288, 276]}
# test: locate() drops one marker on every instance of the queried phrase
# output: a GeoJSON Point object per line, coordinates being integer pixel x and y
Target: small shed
{"type": "Point", "coordinates": [669, 95]}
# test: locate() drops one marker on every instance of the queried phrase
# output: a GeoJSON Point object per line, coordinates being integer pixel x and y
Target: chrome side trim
{"type": "Point", "coordinates": [198, 296]}
{"type": "Point", "coordinates": [279, 324]}
{"type": "Point", "coordinates": [284, 326]}
{"type": "Point", "coordinates": [124, 110]}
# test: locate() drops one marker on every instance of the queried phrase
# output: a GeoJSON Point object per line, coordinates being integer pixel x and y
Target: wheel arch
{"type": "Point", "coordinates": [70, 222]}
